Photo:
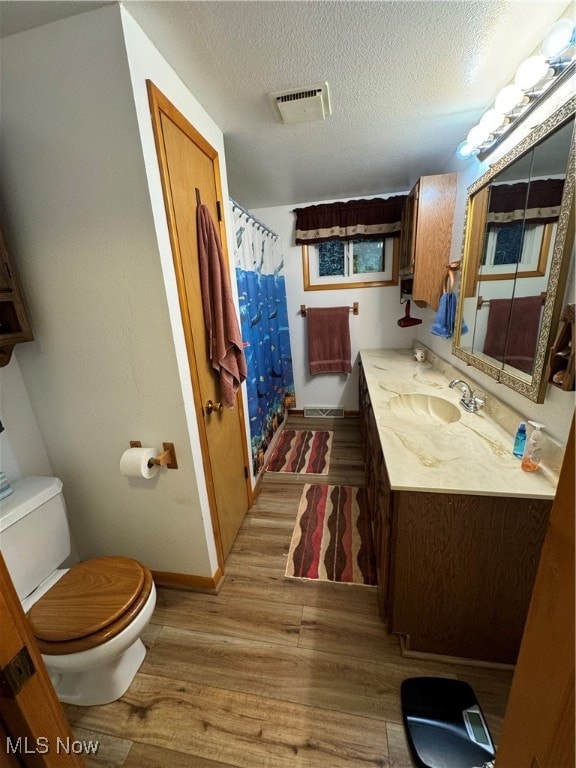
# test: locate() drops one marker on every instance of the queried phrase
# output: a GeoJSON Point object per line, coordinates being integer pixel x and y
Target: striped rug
{"type": "Point", "coordinates": [302, 451]}
{"type": "Point", "coordinates": [332, 538]}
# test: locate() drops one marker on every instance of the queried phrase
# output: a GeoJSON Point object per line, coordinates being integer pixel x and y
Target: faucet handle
{"type": "Point", "coordinates": [479, 401]}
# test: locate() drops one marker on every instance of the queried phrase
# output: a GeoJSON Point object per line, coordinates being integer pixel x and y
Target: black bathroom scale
{"type": "Point", "coordinates": [444, 723]}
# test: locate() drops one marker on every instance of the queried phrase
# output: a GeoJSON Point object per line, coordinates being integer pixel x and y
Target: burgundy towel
{"type": "Point", "coordinates": [329, 340]}
{"type": "Point", "coordinates": [512, 331]}
{"type": "Point", "coordinates": [224, 340]}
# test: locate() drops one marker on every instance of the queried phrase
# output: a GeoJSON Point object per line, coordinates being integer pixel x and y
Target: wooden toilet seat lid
{"type": "Point", "coordinates": [88, 598]}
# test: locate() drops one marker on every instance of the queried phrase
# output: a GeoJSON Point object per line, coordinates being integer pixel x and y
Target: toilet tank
{"type": "Point", "coordinates": [34, 533]}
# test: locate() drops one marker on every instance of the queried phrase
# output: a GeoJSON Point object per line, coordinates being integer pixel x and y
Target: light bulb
{"type": "Point", "coordinates": [558, 39]}
{"type": "Point", "coordinates": [531, 72]}
{"type": "Point", "coordinates": [492, 120]}
{"type": "Point", "coordinates": [509, 97]}
{"type": "Point", "coordinates": [477, 136]}
{"type": "Point", "coordinates": [464, 150]}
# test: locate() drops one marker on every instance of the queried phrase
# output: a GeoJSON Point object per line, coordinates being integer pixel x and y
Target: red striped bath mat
{"type": "Point", "coordinates": [302, 451]}
{"type": "Point", "coordinates": [332, 538]}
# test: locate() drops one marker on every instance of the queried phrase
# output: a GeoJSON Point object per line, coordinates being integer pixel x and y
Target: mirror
{"type": "Point", "coordinates": [518, 238]}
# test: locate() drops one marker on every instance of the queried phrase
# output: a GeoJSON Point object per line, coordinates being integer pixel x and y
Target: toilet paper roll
{"type": "Point", "coordinates": [134, 463]}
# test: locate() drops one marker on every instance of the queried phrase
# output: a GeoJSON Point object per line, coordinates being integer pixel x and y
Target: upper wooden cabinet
{"type": "Point", "coordinates": [14, 323]}
{"type": "Point", "coordinates": [427, 237]}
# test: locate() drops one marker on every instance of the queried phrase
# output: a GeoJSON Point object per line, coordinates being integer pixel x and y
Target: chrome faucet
{"type": "Point", "coordinates": [468, 401]}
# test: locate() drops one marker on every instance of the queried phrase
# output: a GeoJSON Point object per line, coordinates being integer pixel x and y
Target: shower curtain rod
{"type": "Point", "coordinates": [253, 218]}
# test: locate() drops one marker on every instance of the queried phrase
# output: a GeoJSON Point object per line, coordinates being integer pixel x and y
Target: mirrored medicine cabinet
{"type": "Point", "coordinates": [517, 253]}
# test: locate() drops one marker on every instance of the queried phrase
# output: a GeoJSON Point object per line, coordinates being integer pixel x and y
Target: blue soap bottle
{"type": "Point", "coordinates": [520, 441]}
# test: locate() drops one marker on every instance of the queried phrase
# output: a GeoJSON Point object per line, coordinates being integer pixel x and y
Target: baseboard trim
{"type": "Point", "coordinates": [300, 412]}
{"type": "Point", "coordinates": [189, 581]}
{"type": "Point", "coordinates": [423, 656]}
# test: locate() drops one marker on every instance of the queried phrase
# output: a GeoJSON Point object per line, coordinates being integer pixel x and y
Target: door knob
{"type": "Point", "coordinates": [210, 406]}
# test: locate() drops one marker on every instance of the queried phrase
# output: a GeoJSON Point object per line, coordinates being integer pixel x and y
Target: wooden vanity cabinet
{"type": "Point", "coordinates": [462, 569]}
{"type": "Point", "coordinates": [426, 238]}
{"type": "Point", "coordinates": [14, 323]}
{"type": "Point", "coordinates": [378, 493]}
{"type": "Point", "coordinates": [456, 571]}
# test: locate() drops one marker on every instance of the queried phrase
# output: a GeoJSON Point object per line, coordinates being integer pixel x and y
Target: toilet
{"type": "Point", "coordinates": [87, 619]}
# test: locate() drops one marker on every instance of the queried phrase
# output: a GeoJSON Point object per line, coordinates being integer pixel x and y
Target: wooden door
{"type": "Point", "coordinates": [33, 725]}
{"type": "Point", "coordinates": [188, 163]}
{"type": "Point", "coordinates": [538, 729]}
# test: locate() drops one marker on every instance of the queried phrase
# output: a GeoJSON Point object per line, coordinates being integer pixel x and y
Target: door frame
{"type": "Point", "coordinates": [35, 715]}
{"type": "Point", "coordinates": [160, 104]}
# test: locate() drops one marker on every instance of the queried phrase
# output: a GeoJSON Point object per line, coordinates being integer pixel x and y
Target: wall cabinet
{"type": "Point", "coordinates": [456, 571]}
{"type": "Point", "coordinates": [427, 237]}
{"type": "Point", "coordinates": [14, 323]}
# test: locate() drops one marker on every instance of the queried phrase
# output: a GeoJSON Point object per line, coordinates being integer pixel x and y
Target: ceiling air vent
{"type": "Point", "coordinates": [303, 105]}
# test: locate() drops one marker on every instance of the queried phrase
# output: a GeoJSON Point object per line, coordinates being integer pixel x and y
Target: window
{"type": "Point", "coordinates": [350, 264]}
{"type": "Point", "coordinates": [516, 250]}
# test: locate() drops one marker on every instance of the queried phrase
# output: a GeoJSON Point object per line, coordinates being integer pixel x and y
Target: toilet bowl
{"type": "Point", "coordinates": [87, 619]}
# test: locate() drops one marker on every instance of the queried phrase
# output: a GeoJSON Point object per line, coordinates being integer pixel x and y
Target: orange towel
{"type": "Point", "coordinates": [224, 340]}
{"type": "Point", "coordinates": [329, 340]}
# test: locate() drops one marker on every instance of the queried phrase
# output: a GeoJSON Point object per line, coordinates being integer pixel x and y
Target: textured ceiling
{"type": "Point", "coordinates": [407, 79]}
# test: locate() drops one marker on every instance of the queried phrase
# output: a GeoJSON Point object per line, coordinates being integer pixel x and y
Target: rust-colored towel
{"type": "Point", "coordinates": [329, 340]}
{"type": "Point", "coordinates": [512, 331]}
{"type": "Point", "coordinates": [224, 340]}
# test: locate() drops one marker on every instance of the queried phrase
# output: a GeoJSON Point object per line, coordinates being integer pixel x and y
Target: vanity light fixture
{"type": "Point", "coordinates": [559, 39]}
{"type": "Point", "coordinates": [493, 120]}
{"type": "Point", "coordinates": [535, 76]}
{"type": "Point", "coordinates": [510, 97]}
{"type": "Point", "coordinates": [534, 70]}
{"type": "Point", "coordinates": [465, 150]}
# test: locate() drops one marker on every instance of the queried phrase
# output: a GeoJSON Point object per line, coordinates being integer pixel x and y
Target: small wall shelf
{"type": "Point", "coordinates": [561, 360]}
{"type": "Point", "coordinates": [14, 323]}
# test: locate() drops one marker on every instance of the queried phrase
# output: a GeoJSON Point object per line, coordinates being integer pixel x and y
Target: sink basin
{"type": "Point", "coordinates": [424, 409]}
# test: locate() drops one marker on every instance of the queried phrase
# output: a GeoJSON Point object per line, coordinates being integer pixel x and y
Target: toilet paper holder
{"type": "Point", "coordinates": [166, 459]}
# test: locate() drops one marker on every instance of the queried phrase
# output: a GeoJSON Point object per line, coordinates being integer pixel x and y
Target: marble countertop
{"type": "Point", "coordinates": [472, 455]}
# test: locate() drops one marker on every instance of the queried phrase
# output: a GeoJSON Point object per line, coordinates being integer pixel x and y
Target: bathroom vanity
{"type": "Point", "coordinates": [458, 526]}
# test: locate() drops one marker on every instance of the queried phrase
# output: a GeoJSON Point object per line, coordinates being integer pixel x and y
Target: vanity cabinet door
{"type": "Point", "coordinates": [374, 460]}
{"type": "Point", "coordinates": [462, 572]}
{"type": "Point", "coordinates": [409, 217]}
{"type": "Point", "coordinates": [378, 494]}
{"type": "Point", "coordinates": [427, 235]}
{"type": "Point", "coordinates": [14, 323]}
{"type": "Point", "coordinates": [384, 537]}
{"type": "Point", "coordinates": [363, 407]}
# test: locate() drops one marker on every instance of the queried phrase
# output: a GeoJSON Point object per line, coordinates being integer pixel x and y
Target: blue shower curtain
{"type": "Point", "coordinates": [264, 326]}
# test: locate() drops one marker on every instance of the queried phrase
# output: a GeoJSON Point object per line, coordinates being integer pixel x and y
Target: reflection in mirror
{"type": "Point", "coordinates": [514, 262]}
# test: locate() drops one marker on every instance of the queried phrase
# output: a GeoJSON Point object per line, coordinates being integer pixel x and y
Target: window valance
{"type": "Point", "coordinates": [351, 220]}
{"type": "Point", "coordinates": [536, 202]}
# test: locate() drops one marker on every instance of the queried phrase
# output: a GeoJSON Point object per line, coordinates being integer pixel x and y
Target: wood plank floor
{"type": "Point", "coordinates": [272, 672]}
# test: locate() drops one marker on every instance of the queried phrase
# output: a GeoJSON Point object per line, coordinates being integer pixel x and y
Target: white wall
{"type": "Point", "coordinates": [375, 326]}
{"type": "Point", "coordinates": [22, 450]}
{"type": "Point", "coordinates": [103, 369]}
{"type": "Point", "coordinates": [146, 63]}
